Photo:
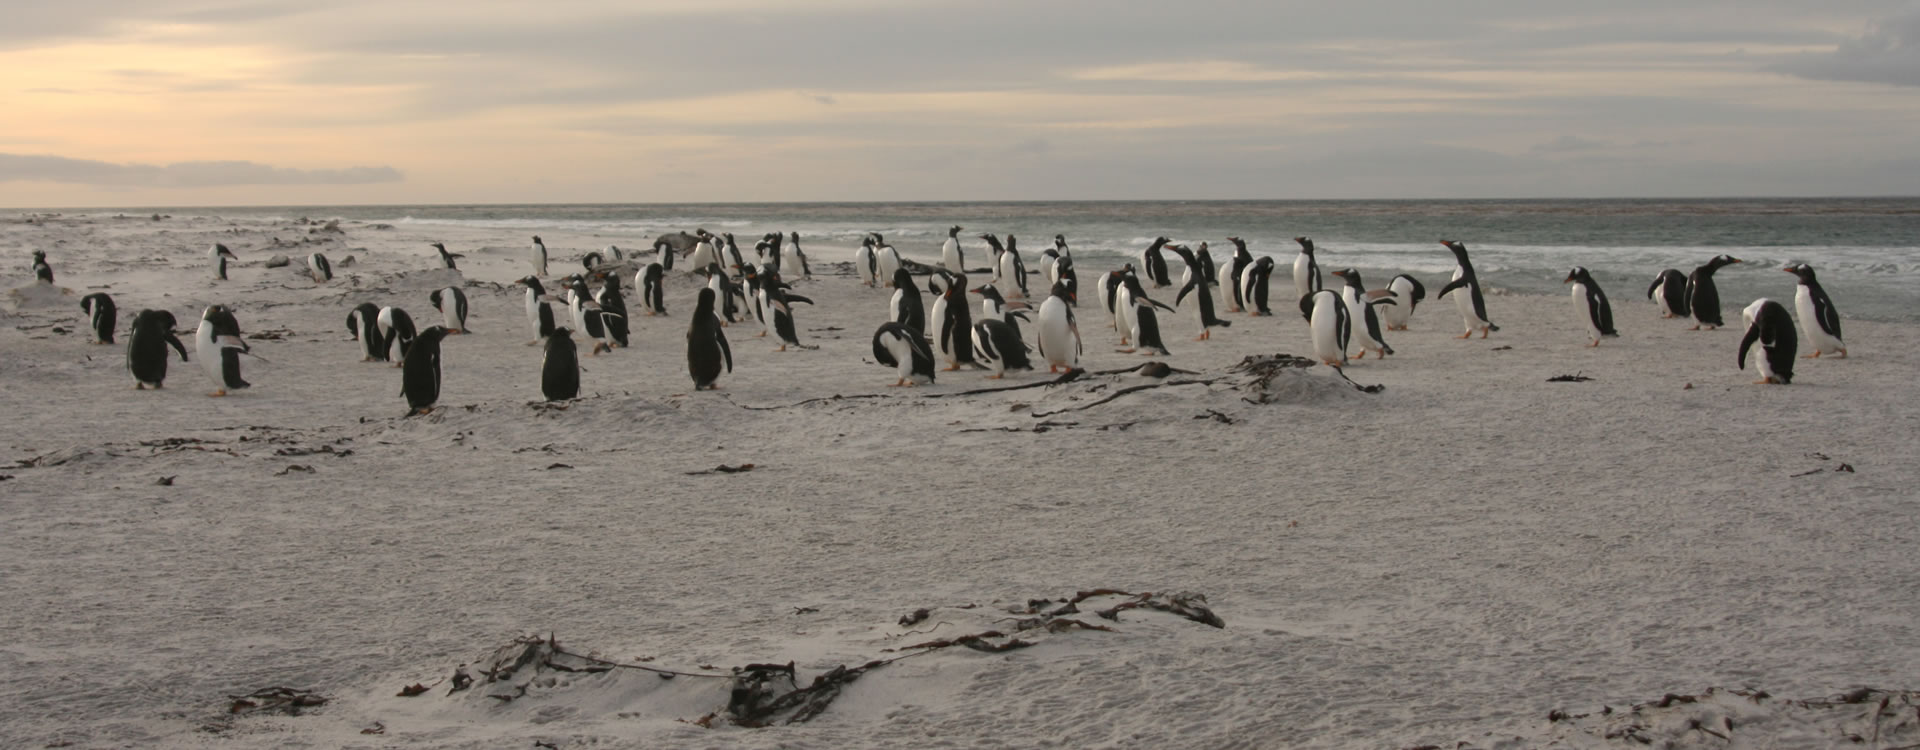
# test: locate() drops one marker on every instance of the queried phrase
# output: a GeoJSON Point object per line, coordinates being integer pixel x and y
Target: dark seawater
{"type": "Point", "coordinates": [1863, 248]}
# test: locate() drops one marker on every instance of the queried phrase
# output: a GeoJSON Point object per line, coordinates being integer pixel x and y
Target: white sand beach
{"type": "Point", "coordinates": [1447, 561]}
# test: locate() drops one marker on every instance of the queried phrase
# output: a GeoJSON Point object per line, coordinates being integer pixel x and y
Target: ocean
{"type": "Point", "coordinates": [1864, 249]}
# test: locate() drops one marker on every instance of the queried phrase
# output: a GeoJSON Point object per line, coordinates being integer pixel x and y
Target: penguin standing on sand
{"type": "Point", "coordinates": [954, 341]}
{"type": "Point", "coordinates": [653, 293]}
{"type": "Point", "coordinates": [586, 317]}
{"type": "Point", "coordinates": [793, 258]}
{"type": "Point", "coordinates": [539, 315]}
{"type": "Point", "coordinates": [1110, 291]}
{"type": "Point", "coordinates": [396, 333]}
{"type": "Point", "coordinates": [903, 348]}
{"type": "Point", "coordinates": [452, 304]}
{"type": "Point", "coordinates": [219, 345]}
{"type": "Point", "coordinates": [1472, 304]}
{"type": "Point", "coordinates": [1819, 319]}
{"type": "Point", "coordinates": [1703, 297]}
{"type": "Point", "coordinates": [1591, 306]}
{"type": "Point", "coordinates": [726, 292]}
{"type": "Point", "coordinates": [1407, 294]}
{"type": "Point", "coordinates": [1153, 263]}
{"type": "Point", "coordinates": [147, 348]}
{"type": "Point", "coordinates": [560, 368]}
{"type": "Point", "coordinates": [363, 322]}
{"type": "Point", "coordinates": [1067, 277]}
{"type": "Point", "coordinates": [1236, 267]}
{"type": "Point", "coordinates": [665, 253]}
{"type": "Point", "coordinates": [42, 271]}
{"type": "Point", "coordinates": [996, 337]}
{"type": "Point", "coordinates": [1306, 269]}
{"type": "Point", "coordinates": [1769, 325]}
{"type": "Point", "coordinates": [705, 257]}
{"type": "Point", "coordinates": [101, 316]}
{"type": "Point", "coordinates": [1059, 336]}
{"type": "Point", "coordinates": [864, 262]}
{"type": "Point", "coordinates": [952, 256]}
{"type": "Point", "coordinates": [218, 255]}
{"type": "Point", "coordinates": [1331, 325]}
{"type": "Point", "coordinates": [537, 256]}
{"type": "Point", "coordinates": [1254, 283]}
{"type": "Point", "coordinates": [319, 268]}
{"type": "Point", "coordinates": [707, 349]}
{"type": "Point", "coordinates": [1360, 304]}
{"type": "Point", "coordinates": [446, 258]}
{"type": "Point", "coordinates": [1203, 304]}
{"type": "Point", "coordinates": [780, 304]}
{"type": "Point", "coordinates": [1010, 272]}
{"type": "Point", "coordinates": [1146, 326]}
{"type": "Point", "coordinates": [1669, 290]}
{"type": "Point", "coordinates": [420, 371]}
{"type": "Point", "coordinates": [906, 307]}
{"type": "Point", "coordinates": [613, 310]}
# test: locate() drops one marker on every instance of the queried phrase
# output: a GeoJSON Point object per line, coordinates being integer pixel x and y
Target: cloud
{"type": "Point", "coordinates": [193, 174]}
{"type": "Point", "coordinates": [1569, 143]}
{"type": "Point", "coordinates": [1888, 53]}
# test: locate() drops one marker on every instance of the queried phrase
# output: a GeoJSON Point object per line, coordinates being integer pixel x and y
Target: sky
{"type": "Point", "coordinates": [272, 102]}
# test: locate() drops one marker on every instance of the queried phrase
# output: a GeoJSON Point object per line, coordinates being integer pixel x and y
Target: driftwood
{"type": "Point", "coordinates": [1124, 391]}
{"type": "Point", "coordinates": [722, 469]}
{"type": "Point", "coordinates": [1574, 378]}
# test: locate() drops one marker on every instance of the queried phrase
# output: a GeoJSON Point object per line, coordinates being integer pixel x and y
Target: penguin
{"type": "Point", "coordinates": [1109, 289]}
{"type": "Point", "coordinates": [1669, 290]}
{"type": "Point", "coordinates": [1360, 304]}
{"type": "Point", "coordinates": [539, 315]}
{"type": "Point", "coordinates": [1010, 272]}
{"type": "Point", "coordinates": [101, 316]}
{"type": "Point", "coordinates": [758, 303]}
{"type": "Point", "coordinates": [902, 348]}
{"type": "Point", "coordinates": [147, 348]}
{"type": "Point", "coordinates": [653, 293]}
{"type": "Point", "coordinates": [42, 271]}
{"type": "Point", "coordinates": [420, 371]}
{"type": "Point", "coordinates": [1254, 284]}
{"type": "Point", "coordinates": [1472, 304]}
{"type": "Point", "coordinates": [1769, 325]}
{"type": "Point", "coordinates": [939, 280]}
{"type": "Point", "coordinates": [1819, 319]}
{"type": "Point", "coordinates": [954, 340]}
{"type": "Point", "coordinates": [728, 293]}
{"type": "Point", "coordinates": [1204, 262]}
{"type": "Point", "coordinates": [1058, 338]}
{"type": "Point", "coordinates": [1703, 298]}
{"type": "Point", "coordinates": [396, 333]}
{"type": "Point", "coordinates": [730, 250]}
{"type": "Point", "coordinates": [1123, 311]}
{"type": "Point", "coordinates": [997, 345]}
{"type": "Point", "coordinates": [363, 322]}
{"type": "Point", "coordinates": [1146, 326]}
{"type": "Point", "coordinates": [218, 255]}
{"type": "Point", "coordinates": [319, 268]}
{"type": "Point", "coordinates": [613, 310]}
{"type": "Point", "coordinates": [864, 261]}
{"type": "Point", "coordinates": [1196, 285]}
{"type": "Point", "coordinates": [906, 307]}
{"type": "Point", "coordinates": [1591, 306]}
{"type": "Point", "coordinates": [452, 304]}
{"type": "Point", "coordinates": [1407, 294]}
{"type": "Point", "coordinates": [219, 345]}
{"type": "Point", "coordinates": [707, 348]}
{"type": "Point", "coordinates": [780, 304]}
{"type": "Point", "coordinates": [560, 368]}
{"type": "Point", "coordinates": [768, 245]}
{"type": "Point", "coordinates": [952, 257]}
{"type": "Point", "coordinates": [1050, 266]}
{"type": "Point", "coordinates": [446, 258]}
{"type": "Point", "coordinates": [592, 260]}
{"type": "Point", "coordinates": [1069, 278]}
{"type": "Point", "coordinates": [1306, 269]}
{"type": "Point", "coordinates": [1330, 324]}
{"type": "Point", "coordinates": [887, 260]}
{"type": "Point", "coordinates": [995, 307]}
{"type": "Point", "coordinates": [537, 256]}
{"type": "Point", "coordinates": [664, 250]}
{"type": "Point", "coordinates": [586, 317]}
{"type": "Point", "coordinates": [1153, 263]}
{"type": "Point", "coordinates": [705, 257]}
{"type": "Point", "coordinates": [1236, 268]}
{"type": "Point", "coordinates": [793, 258]}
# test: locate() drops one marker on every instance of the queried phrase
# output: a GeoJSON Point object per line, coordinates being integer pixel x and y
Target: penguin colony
{"type": "Point", "coordinates": [915, 337]}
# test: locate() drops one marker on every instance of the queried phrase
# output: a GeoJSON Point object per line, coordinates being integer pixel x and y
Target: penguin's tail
{"type": "Point", "coordinates": [1492, 327]}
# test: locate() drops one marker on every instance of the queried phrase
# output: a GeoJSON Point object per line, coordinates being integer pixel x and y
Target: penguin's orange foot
{"type": "Point", "coordinates": [996, 377]}
{"type": "Point", "coordinates": [139, 386]}
{"type": "Point", "coordinates": [783, 347]}
{"type": "Point", "coordinates": [218, 393]}
{"type": "Point", "coordinates": [1468, 334]}
{"type": "Point", "coordinates": [1484, 332]}
{"type": "Point", "coordinates": [1695, 328]}
{"type": "Point", "coordinates": [1596, 342]}
{"type": "Point", "coordinates": [760, 335]}
{"type": "Point", "coordinates": [1843, 355]}
{"type": "Point", "coordinates": [1361, 355]}
{"type": "Point", "coordinates": [1763, 381]}
{"type": "Point", "coordinates": [951, 368]}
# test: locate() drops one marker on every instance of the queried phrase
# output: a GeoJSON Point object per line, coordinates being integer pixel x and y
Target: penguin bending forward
{"type": "Point", "coordinates": [147, 348]}
{"type": "Point", "coordinates": [560, 368]}
{"type": "Point", "coordinates": [901, 347]}
{"type": "Point", "coordinates": [101, 316]}
{"type": "Point", "coordinates": [1669, 290]}
{"type": "Point", "coordinates": [420, 371]}
{"type": "Point", "coordinates": [363, 322]}
{"type": "Point", "coordinates": [1769, 325]}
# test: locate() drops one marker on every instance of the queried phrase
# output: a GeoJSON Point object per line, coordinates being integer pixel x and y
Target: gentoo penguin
{"type": "Point", "coordinates": [793, 258]}
{"type": "Point", "coordinates": [396, 333]}
{"type": "Point", "coordinates": [1331, 325]}
{"type": "Point", "coordinates": [995, 307]}
{"type": "Point", "coordinates": [420, 371]}
{"type": "Point", "coordinates": [1204, 260]}
{"type": "Point", "coordinates": [1591, 306]}
{"type": "Point", "coordinates": [997, 345]}
{"type": "Point", "coordinates": [1109, 289]}
{"type": "Point", "coordinates": [707, 349]}
{"type": "Point", "coordinates": [1769, 324]}
{"type": "Point", "coordinates": [218, 255]}
{"type": "Point", "coordinates": [1254, 283]}
{"type": "Point", "coordinates": [586, 316]}
{"type": "Point", "coordinates": [1703, 298]}
{"type": "Point", "coordinates": [101, 316]}
{"type": "Point", "coordinates": [705, 258]}
{"type": "Point", "coordinates": [780, 304]}
{"type": "Point", "coordinates": [219, 345]}
{"type": "Point", "coordinates": [1203, 305]}
{"type": "Point", "coordinates": [1058, 338]}
{"type": "Point", "coordinates": [42, 271]}
{"type": "Point", "coordinates": [452, 304]}
{"type": "Point", "coordinates": [1472, 304]}
{"type": "Point", "coordinates": [1306, 269]}
{"type": "Point", "coordinates": [147, 348]}
{"type": "Point", "coordinates": [758, 302]}
{"type": "Point", "coordinates": [1818, 317]}
{"type": "Point", "coordinates": [560, 368]}
{"type": "Point", "coordinates": [767, 245]}
{"type": "Point", "coordinates": [1153, 263]}
{"type": "Point", "coordinates": [1669, 290]}
{"type": "Point", "coordinates": [939, 280]}
{"type": "Point", "coordinates": [906, 307]}
{"type": "Point", "coordinates": [864, 262]}
{"type": "Point", "coordinates": [613, 310]}
{"type": "Point", "coordinates": [1360, 304]}
{"type": "Point", "coordinates": [1146, 326]}
{"type": "Point", "coordinates": [664, 250]}
{"type": "Point", "coordinates": [1010, 272]}
{"type": "Point", "coordinates": [446, 258]}
{"type": "Point", "coordinates": [951, 255]}
{"type": "Point", "coordinates": [954, 340]}
{"type": "Point", "coordinates": [539, 315]}
{"type": "Point", "coordinates": [537, 255]}
{"type": "Point", "coordinates": [902, 348]}
{"type": "Point", "coordinates": [886, 260]}
{"type": "Point", "coordinates": [319, 268]}
{"type": "Point", "coordinates": [1050, 266]}
{"type": "Point", "coordinates": [1123, 312]}
{"type": "Point", "coordinates": [1068, 277]}
{"type": "Point", "coordinates": [732, 250]}
{"type": "Point", "coordinates": [363, 322]}
{"type": "Point", "coordinates": [1407, 294]}
{"type": "Point", "coordinates": [1236, 268]}
{"type": "Point", "coordinates": [653, 294]}
{"type": "Point", "coordinates": [592, 260]}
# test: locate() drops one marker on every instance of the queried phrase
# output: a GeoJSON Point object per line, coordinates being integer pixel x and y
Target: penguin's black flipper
{"type": "Point", "coordinates": [1452, 285]}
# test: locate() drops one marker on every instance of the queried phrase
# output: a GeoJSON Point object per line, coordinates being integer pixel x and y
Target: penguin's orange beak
{"type": "Point", "coordinates": [1568, 280]}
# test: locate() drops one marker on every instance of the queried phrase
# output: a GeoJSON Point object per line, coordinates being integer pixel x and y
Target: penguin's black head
{"type": "Point", "coordinates": [1724, 260]}
{"type": "Point", "coordinates": [953, 231]}
{"type": "Point", "coordinates": [1802, 270]}
{"type": "Point", "coordinates": [536, 240]}
{"type": "Point", "coordinates": [562, 332]}
{"type": "Point", "coordinates": [1306, 245]}
{"type": "Point", "coordinates": [1459, 249]}
{"type": "Point", "coordinates": [1579, 273]}
{"type": "Point", "coordinates": [1264, 262]}
{"type": "Point", "coordinates": [793, 237]}
{"type": "Point", "coordinates": [1060, 290]}
{"type": "Point", "coordinates": [704, 304]}
{"type": "Point", "coordinates": [1352, 277]}
{"type": "Point", "coordinates": [440, 247]}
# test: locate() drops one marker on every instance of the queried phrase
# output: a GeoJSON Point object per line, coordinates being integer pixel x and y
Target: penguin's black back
{"type": "Point", "coordinates": [420, 370]}
{"type": "Point", "coordinates": [560, 369]}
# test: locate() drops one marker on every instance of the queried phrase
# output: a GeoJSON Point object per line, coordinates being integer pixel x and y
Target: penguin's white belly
{"type": "Point", "coordinates": [1125, 321]}
{"type": "Point", "coordinates": [1302, 276]}
{"type": "Point", "coordinates": [950, 256]}
{"type": "Point", "coordinates": [1056, 338]}
{"type": "Point", "coordinates": [1325, 324]}
{"type": "Point", "coordinates": [1398, 314]}
{"type": "Point", "coordinates": [1582, 313]}
{"type": "Point", "coordinates": [1810, 324]}
{"type": "Point", "coordinates": [937, 318]}
{"type": "Point", "coordinates": [889, 262]}
{"type": "Point", "coordinates": [208, 351]}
